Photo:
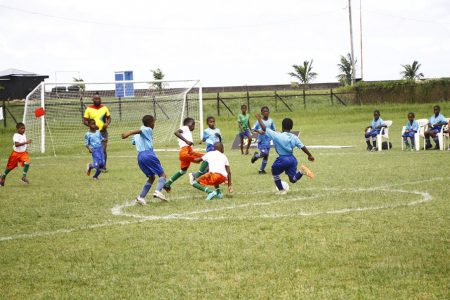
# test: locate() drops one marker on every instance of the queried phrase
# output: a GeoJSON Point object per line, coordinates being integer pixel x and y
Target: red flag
{"type": "Point", "coordinates": [39, 112]}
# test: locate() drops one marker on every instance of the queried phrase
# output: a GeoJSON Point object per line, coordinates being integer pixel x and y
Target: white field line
{"type": "Point", "coordinates": [117, 210]}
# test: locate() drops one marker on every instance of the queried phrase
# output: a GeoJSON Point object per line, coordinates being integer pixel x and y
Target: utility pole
{"type": "Point", "coordinates": [351, 40]}
{"type": "Point", "coordinates": [361, 37]}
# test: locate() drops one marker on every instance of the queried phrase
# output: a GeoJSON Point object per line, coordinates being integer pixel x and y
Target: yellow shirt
{"type": "Point", "coordinates": [98, 114]}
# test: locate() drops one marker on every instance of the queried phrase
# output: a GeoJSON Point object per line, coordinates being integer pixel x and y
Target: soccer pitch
{"type": "Point", "coordinates": [371, 225]}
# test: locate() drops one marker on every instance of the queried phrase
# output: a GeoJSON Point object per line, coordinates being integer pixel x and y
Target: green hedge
{"type": "Point", "coordinates": [400, 91]}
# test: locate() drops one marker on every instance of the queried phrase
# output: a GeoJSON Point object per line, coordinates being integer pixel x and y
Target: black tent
{"type": "Point", "coordinates": [17, 84]}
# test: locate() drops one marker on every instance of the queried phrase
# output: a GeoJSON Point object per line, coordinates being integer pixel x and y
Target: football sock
{"type": "Point", "coordinates": [263, 164]}
{"type": "Point", "coordinates": [106, 157]}
{"type": "Point", "coordinates": [97, 172]}
{"type": "Point", "coordinates": [368, 142]}
{"type": "Point", "coordinates": [175, 177]}
{"type": "Point", "coordinates": [257, 155]}
{"type": "Point", "coordinates": [277, 180]}
{"type": "Point", "coordinates": [201, 170]}
{"type": "Point", "coordinates": [145, 189]}
{"type": "Point", "coordinates": [436, 140]}
{"type": "Point", "coordinates": [161, 182]}
{"type": "Point", "coordinates": [202, 188]}
{"type": "Point", "coordinates": [25, 169]}
{"type": "Point", "coordinates": [296, 177]}
{"type": "Point", "coordinates": [6, 172]}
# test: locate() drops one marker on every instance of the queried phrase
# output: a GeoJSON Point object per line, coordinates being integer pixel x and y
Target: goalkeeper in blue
{"type": "Point", "coordinates": [147, 160]}
{"type": "Point", "coordinates": [263, 140]}
{"type": "Point", "coordinates": [284, 143]}
{"type": "Point", "coordinates": [93, 141]}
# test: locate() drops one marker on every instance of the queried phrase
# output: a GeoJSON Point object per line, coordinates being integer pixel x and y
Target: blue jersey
{"type": "Point", "coordinates": [93, 139]}
{"type": "Point", "coordinates": [439, 120]}
{"type": "Point", "coordinates": [414, 126]}
{"type": "Point", "coordinates": [264, 139]}
{"type": "Point", "coordinates": [211, 136]}
{"type": "Point", "coordinates": [284, 142]}
{"type": "Point", "coordinates": [376, 123]}
{"type": "Point", "coordinates": [144, 140]}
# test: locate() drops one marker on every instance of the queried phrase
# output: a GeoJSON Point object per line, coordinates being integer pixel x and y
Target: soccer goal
{"type": "Point", "coordinates": [61, 127]}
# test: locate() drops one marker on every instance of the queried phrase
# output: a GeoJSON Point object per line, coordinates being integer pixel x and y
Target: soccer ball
{"type": "Point", "coordinates": [285, 185]}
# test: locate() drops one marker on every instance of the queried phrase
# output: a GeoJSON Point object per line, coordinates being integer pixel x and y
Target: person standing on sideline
{"type": "Point", "coordinates": [100, 114]}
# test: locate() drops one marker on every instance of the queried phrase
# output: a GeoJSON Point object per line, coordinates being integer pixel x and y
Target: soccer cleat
{"type": "Point", "coordinates": [254, 158]}
{"type": "Point", "coordinates": [25, 180]}
{"type": "Point", "coordinates": [262, 172]}
{"type": "Point", "coordinates": [191, 178]}
{"type": "Point", "coordinates": [428, 146]}
{"type": "Point", "coordinates": [88, 169]}
{"type": "Point", "coordinates": [141, 201]}
{"type": "Point", "coordinates": [305, 170]}
{"type": "Point", "coordinates": [2, 180]}
{"type": "Point", "coordinates": [219, 195]}
{"type": "Point", "coordinates": [159, 195]}
{"type": "Point", "coordinates": [104, 170]}
{"type": "Point", "coordinates": [282, 192]}
{"type": "Point", "coordinates": [369, 148]}
{"type": "Point", "coordinates": [95, 178]}
{"type": "Point", "coordinates": [211, 195]}
{"type": "Point", "coordinates": [374, 149]}
{"type": "Point", "coordinates": [167, 188]}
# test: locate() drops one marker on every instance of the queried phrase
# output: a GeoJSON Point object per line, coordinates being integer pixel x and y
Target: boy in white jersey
{"type": "Point", "coordinates": [187, 154]}
{"type": "Point", "coordinates": [19, 156]}
{"type": "Point", "coordinates": [219, 173]}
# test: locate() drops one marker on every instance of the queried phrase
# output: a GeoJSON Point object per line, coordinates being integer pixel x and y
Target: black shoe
{"type": "Point", "coordinates": [262, 172]}
{"type": "Point", "coordinates": [2, 181]}
{"type": "Point", "coordinates": [369, 148]}
{"type": "Point", "coordinates": [167, 188]}
{"type": "Point", "coordinates": [254, 158]}
{"type": "Point", "coordinates": [437, 147]}
{"type": "Point", "coordinates": [428, 146]}
{"type": "Point", "coordinates": [103, 170]}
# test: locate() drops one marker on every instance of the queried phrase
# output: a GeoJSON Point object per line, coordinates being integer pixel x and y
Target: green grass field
{"type": "Point", "coordinates": [371, 226]}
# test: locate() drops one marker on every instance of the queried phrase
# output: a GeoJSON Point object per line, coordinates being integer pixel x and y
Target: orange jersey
{"type": "Point", "coordinates": [187, 156]}
{"type": "Point", "coordinates": [17, 158]}
{"type": "Point", "coordinates": [212, 179]}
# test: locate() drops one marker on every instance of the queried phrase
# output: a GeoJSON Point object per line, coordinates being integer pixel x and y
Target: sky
{"type": "Point", "coordinates": [222, 43]}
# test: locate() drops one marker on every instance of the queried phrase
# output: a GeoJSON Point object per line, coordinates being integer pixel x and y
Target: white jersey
{"type": "Point", "coordinates": [217, 162]}
{"type": "Point", "coordinates": [20, 138]}
{"type": "Point", "coordinates": [187, 134]}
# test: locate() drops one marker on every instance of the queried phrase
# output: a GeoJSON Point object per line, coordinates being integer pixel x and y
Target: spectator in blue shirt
{"type": "Point", "coordinates": [411, 129]}
{"type": "Point", "coordinates": [375, 128]}
{"type": "Point", "coordinates": [435, 124]}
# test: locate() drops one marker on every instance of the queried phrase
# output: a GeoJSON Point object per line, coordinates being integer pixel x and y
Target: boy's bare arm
{"type": "Point", "coordinates": [198, 159]}
{"type": "Point", "coordinates": [310, 157]}
{"type": "Point", "coordinates": [178, 135]}
{"type": "Point", "coordinates": [131, 132]}
{"type": "Point", "coordinates": [18, 144]}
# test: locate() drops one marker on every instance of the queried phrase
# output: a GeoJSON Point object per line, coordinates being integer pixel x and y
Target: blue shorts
{"type": "Point", "coordinates": [409, 134]}
{"type": "Point", "coordinates": [244, 134]}
{"type": "Point", "coordinates": [149, 163]}
{"type": "Point", "coordinates": [373, 133]}
{"type": "Point", "coordinates": [98, 157]}
{"type": "Point", "coordinates": [264, 149]}
{"type": "Point", "coordinates": [286, 164]}
{"type": "Point", "coordinates": [436, 129]}
{"type": "Point", "coordinates": [209, 148]}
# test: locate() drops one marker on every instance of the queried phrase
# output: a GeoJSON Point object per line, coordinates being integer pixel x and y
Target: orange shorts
{"type": "Point", "coordinates": [187, 156]}
{"type": "Point", "coordinates": [212, 179]}
{"type": "Point", "coordinates": [17, 158]}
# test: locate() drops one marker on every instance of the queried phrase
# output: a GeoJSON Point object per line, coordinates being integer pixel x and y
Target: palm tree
{"type": "Point", "coordinates": [158, 75]}
{"type": "Point", "coordinates": [304, 73]}
{"type": "Point", "coordinates": [345, 67]}
{"type": "Point", "coordinates": [411, 72]}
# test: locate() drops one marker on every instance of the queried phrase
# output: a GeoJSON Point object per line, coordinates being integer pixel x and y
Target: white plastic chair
{"type": "Point", "coordinates": [443, 136]}
{"type": "Point", "coordinates": [384, 134]}
{"type": "Point", "coordinates": [423, 126]}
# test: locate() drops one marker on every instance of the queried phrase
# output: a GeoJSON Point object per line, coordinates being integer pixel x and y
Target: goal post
{"type": "Point", "coordinates": [61, 128]}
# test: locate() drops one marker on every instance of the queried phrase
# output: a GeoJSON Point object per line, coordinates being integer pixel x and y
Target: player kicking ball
{"type": "Point", "coordinates": [147, 160]}
{"type": "Point", "coordinates": [219, 173]}
{"type": "Point", "coordinates": [284, 143]}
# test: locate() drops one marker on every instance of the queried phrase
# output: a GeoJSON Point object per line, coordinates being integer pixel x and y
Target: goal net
{"type": "Point", "coordinates": [61, 127]}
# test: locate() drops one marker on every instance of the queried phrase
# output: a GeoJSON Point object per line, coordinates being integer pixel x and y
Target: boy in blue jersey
{"type": "Point", "coordinates": [411, 129]}
{"type": "Point", "coordinates": [263, 140]}
{"type": "Point", "coordinates": [93, 140]}
{"type": "Point", "coordinates": [211, 135]}
{"type": "Point", "coordinates": [375, 129]}
{"type": "Point", "coordinates": [437, 120]}
{"type": "Point", "coordinates": [284, 143]}
{"type": "Point", "coordinates": [147, 160]}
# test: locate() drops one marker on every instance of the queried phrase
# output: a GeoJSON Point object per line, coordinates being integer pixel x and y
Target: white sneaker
{"type": "Point", "coordinates": [159, 195]}
{"type": "Point", "coordinates": [191, 178]}
{"type": "Point", "coordinates": [140, 201]}
{"type": "Point", "coordinates": [282, 192]}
